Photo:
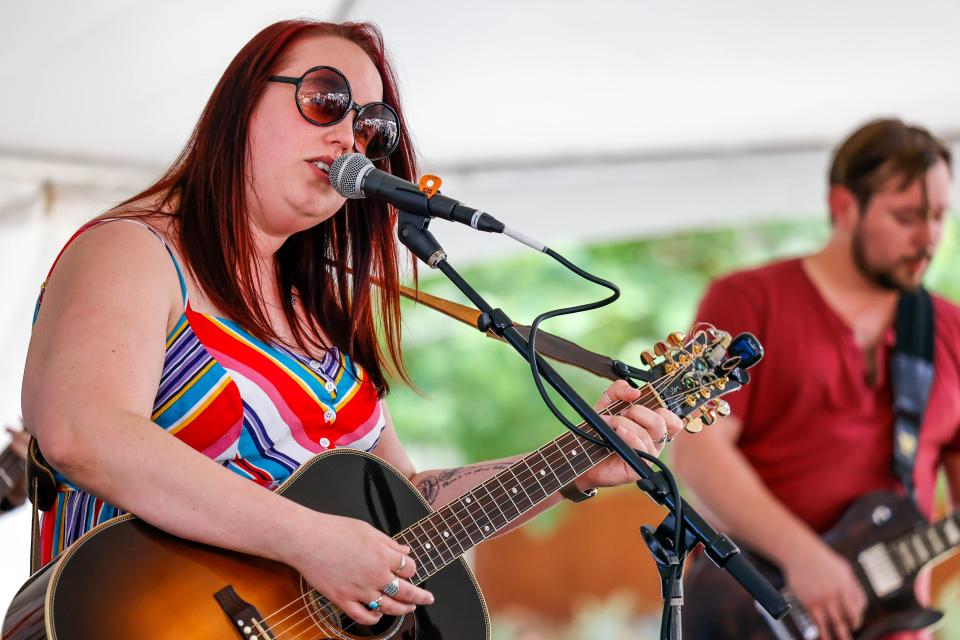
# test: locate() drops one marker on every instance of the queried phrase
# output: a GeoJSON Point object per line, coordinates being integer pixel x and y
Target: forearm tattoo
{"type": "Point", "coordinates": [431, 483]}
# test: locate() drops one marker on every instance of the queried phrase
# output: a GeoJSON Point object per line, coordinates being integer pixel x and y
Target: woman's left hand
{"type": "Point", "coordinates": [641, 428]}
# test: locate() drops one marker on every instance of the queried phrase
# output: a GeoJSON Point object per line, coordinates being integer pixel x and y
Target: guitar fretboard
{"type": "Point", "coordinates": [446, 534]}
{"type": "Point", "coordinates": [927, 544]}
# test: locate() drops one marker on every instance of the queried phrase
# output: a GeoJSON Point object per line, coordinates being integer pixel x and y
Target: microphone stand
{"type": "Point", "coordinates": [412, 231]}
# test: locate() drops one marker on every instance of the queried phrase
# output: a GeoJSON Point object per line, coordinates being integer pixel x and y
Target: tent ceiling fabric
{"type": "Point", "coordinates": [124, 80]}
{"type": "Point", "coordinates": [661, 116]}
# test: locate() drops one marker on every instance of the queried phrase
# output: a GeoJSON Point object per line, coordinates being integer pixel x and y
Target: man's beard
{"type": "Point", "coordinates": [885, 278]}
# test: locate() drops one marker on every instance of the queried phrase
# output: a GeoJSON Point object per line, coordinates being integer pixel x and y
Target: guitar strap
{"type": "Point", "coordinates": [548, 345]}
{"type": "Point", "coordinates": [42, 491]}
{"type": "Point", "coordinates": [911, 375]}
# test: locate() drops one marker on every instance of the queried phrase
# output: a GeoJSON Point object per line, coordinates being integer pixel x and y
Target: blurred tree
{"type": "Point", "coordinates": [479, 396]}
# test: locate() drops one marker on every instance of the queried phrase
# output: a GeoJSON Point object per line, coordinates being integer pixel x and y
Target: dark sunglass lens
{"type": "Point", "coordinates": [324, 96]}
{"type": "Point", "coordinates": [376, 131]}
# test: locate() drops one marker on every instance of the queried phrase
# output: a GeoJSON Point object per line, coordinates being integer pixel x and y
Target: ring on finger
{"type": "Point", "coordinates": [393, 588]}
{"type": "Point", "coordinates": [403, 561]}
{"type": "Point", "coordinates": [373, 605]}
{"type": "Point", "coordinates": [664, 440]}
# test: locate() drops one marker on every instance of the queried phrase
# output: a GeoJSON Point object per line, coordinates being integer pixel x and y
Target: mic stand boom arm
{"type": "Point", "coordinates": [413, 233]}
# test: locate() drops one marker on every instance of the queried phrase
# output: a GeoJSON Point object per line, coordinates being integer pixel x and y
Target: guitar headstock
{"type": "Point", "coordinates": [690, 373]}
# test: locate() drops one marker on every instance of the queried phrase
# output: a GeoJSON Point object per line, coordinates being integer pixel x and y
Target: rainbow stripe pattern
{"type": "Point", "coordinates": [260, 410]}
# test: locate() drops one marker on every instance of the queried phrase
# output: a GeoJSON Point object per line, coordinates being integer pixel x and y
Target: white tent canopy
{"type": "Point", "coordinates": [567, 120]}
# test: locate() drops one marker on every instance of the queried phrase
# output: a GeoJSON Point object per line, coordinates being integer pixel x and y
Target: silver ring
{"type": "Point", "coordinates": [403, 561]}
{"type": "Point", "coordinates": [664, 440]}
{"type": "Point", "coordinates": [393, 588]}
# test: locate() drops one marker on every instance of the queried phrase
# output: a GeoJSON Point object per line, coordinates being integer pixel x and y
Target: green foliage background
{"type": "Point", "coordinates": [478, 400]}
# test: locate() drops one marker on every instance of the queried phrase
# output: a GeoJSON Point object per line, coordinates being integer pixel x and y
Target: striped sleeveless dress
{"type": "Point", "coordinates": [259, 409]}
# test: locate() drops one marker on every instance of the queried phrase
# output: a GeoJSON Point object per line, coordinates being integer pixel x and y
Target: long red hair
{"type": "Point", "coordinates": [344, 270]}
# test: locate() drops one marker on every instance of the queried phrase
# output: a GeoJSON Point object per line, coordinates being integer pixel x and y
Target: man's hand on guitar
{"type": "Point", "coordinates": [824, 582]}
{"type": "Point", "coordinates": [641, 428]}
{"type": "Point", "coordinates": [350, 562]}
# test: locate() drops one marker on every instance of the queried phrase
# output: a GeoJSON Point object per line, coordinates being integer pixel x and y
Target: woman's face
{"type": "Point", "coordinates": [287, 192]}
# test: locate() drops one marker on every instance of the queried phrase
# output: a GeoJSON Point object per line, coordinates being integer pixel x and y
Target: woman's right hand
{"type": "Point", "coordinates": [350, 562]}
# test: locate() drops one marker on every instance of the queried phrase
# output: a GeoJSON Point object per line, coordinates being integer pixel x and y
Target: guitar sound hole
{"type": "Point", "coordinates": [342, 626]}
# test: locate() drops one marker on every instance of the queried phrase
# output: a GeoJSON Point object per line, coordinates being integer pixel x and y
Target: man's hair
{"type": "Point", "coordinates": [882, 149]}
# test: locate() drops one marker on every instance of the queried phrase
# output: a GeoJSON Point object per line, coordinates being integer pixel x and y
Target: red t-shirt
{"type": "Point", "coordinates": [816, 432]}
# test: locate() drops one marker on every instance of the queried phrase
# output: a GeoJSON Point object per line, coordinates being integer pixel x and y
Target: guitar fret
{"type": "Point", "coordinates": [422, 549]}
{"type": "Point", "coordinates": [465, 502]}
{"type": "Point", "coordinates": [936, 543]}
{"type": "Point", "coordinates": [536, 477]}
{"type": "Point", "coordinates": [906, 556]}
{"type": "Point", "coordinates": [564, 454]}
{"type": "Point", "coordinates": [951, 531]}
{"type": "Point", "coordinates": [496, 502]}
{"type": "Point", "coordinates": [920, 548]}
{"type": "Point", "coordinates": [438, 543]}
{"type": "Point", "coordinates": [479, 514]}
{"type": "Point", "coordinates": [449, 532]}
{"type": "Point", "coordinates": [515, 493]}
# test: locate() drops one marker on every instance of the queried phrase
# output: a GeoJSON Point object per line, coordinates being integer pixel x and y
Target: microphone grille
{"type": "Point", "coordinates": [347, 173]}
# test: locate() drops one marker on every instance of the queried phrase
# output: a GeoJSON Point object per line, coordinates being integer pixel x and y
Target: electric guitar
{"type": "Point", "coordinates": [886, 541]}
{"type": "Point", "coordinates": [126, 579]}
{"type": "Point", "coordinates": [11, 471]}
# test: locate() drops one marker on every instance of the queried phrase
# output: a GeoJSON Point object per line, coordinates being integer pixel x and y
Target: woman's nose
{"type": "Point", "coordinates": [341, 134]}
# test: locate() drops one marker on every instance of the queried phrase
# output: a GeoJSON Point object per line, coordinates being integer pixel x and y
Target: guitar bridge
{"type": "Point", "coordinates": [245, 618]}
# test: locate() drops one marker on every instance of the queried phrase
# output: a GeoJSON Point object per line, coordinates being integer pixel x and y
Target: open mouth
{"type": "Point", "coordinates": [323, 166]}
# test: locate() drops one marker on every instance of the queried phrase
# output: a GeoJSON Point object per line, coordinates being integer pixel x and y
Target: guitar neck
{"type": "Point", "coordinates": [927, 544]}
{"type": "Point", "coordinates": [446, 534]}
{"type": "Point", "coordinates": [11, 468]}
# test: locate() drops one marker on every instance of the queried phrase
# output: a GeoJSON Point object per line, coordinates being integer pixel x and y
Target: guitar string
{"type": "Point", "coordinates": [614, 407]}
{"type": "Point", "coordinates": [444, 562]}
{"type": "Point", "coordinates": [450, 550]}
{"type": "Point", "coordinates": [416, 538]}
{"type": "Point", "coordinates": [611, 409]}
{"type": "Point", "coordinates": [420, 563]}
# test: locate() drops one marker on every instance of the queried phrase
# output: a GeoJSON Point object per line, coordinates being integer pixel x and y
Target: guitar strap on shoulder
{"type": "Point", "coordinates": [42, 491]}
{"type": "Point", "coordinates": [911, 375]}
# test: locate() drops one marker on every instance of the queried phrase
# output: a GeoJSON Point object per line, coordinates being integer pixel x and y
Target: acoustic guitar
{"type": "Point", "coordinates": [126, 579]}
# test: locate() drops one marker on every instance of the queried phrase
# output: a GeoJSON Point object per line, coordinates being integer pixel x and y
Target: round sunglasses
{"type": "Point", "coordinates": [324, 98]}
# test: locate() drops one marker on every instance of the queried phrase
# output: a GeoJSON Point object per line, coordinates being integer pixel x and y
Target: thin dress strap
{"type": "Point", "coordinates": [93, 223]}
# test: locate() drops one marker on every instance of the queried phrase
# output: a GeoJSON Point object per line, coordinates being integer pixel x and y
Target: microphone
{"type": "Point", "coordinates": [354, 176]}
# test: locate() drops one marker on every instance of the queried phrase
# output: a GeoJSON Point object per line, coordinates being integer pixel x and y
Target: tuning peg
{"type": "Point", "coordinates": [708, 416]}
{"type": "Point", "coordinates": [669, 367]}
{"type": "Point", "coordinates": [647, 358]}
{"type": "Point", "coordinates": [693, 424]}
{"type": "Point", "coordinates": [676, 339]}
{"type": "Point", "coordinates": [661, 348]}
{"type": "Point", "coordinates": [722, 408]}
{"type": "Point", "coordinates": [704, 392]}
{"type": "Point", "coordinates": [692, 400]}
{"type": "Point", "coordinates": [721, 383]}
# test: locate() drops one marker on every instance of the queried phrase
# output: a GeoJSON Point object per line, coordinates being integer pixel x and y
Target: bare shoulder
{"type": "Point", "coordinates": [118, 259]}
{"type": "Point", "coordinates": [100, 335]}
